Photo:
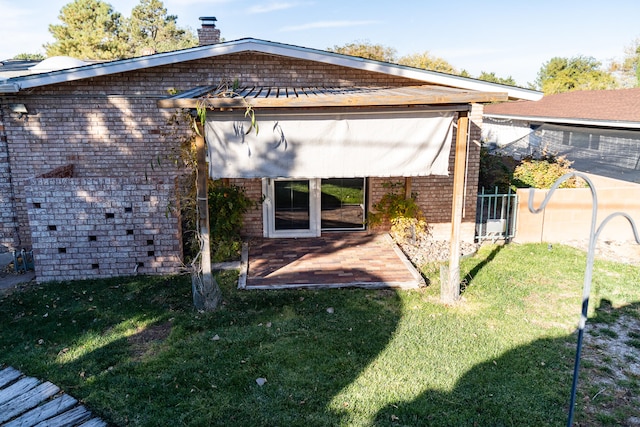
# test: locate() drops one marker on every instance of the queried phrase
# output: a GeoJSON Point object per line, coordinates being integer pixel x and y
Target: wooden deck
{"type": "Point", "coordinates": [27, 401]}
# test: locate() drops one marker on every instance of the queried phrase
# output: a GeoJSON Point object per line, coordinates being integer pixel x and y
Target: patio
{"type": "Point", "coordinates": [333, 260]}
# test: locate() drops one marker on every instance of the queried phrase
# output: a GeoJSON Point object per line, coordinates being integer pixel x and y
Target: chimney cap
{"type": "Point", "coordinates": [208, 20]}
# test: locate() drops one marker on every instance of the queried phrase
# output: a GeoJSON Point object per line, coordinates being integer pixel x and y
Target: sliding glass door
{"type": "Point", "coordinates": [342, 203]}
{"type": "Point", "coordinates": [304, 207]}
{"type": "Point", "coordinates": [291, 205]}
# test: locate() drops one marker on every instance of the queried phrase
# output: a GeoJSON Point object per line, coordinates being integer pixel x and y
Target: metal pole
{"type": "Point", "coordinates": [586, 289]}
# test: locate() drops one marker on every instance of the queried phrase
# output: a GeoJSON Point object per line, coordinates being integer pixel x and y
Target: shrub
{"type": "Point", "coordinates": [542, 173]}
{"type": "Point", "coordinates": [403, 213]}
{"type": "Point", "coordinates": [496, 170]}
{"type": "Point", "coordinates": [227, 205]}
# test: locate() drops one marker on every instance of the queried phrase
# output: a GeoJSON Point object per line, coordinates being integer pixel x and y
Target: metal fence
{"type": "Point", "coordinates": [496, 215]}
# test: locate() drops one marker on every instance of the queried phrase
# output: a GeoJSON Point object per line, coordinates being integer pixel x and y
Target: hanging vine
{"type": "Point", "coordinates": [224, 90]}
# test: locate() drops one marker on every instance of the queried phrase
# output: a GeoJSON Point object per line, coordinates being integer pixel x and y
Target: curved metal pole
{"type": "Point", "coordinates": [586, 289]}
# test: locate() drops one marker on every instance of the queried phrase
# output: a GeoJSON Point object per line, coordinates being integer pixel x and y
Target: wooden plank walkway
{"type": "Point", "coordinates": [27, 402]}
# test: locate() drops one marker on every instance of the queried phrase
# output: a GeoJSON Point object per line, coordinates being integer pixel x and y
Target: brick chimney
{"type": "Point", "coordinates": [208, 34]}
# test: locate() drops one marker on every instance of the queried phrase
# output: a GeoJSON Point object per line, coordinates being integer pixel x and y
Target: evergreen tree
{"type": "Point", "coordinates": [491, 77]}
{"type": "Point", "coordinates": [90, 29]}
{"type": "Point", "coordinates": [150, 28]}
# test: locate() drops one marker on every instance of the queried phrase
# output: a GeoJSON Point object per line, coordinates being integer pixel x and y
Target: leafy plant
{"type": "Point", "coordinates": [403, 213]}
{"type": "Point", "coordinates": [542, 173]}
{"type": "Point", "coordinates": [495, 170]}
{"type": "Point", "coordinates": [409, 230]}
{"type": "Point", "coordinates": [227, 205]}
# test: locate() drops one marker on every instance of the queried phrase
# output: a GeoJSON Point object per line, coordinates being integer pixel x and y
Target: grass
{"type": "Point", "coordinates": [137, 354]}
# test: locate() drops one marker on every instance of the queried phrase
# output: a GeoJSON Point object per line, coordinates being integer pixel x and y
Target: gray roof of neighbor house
{"type": "Point", "coordinates": [17, 84]}
{"type": "Point", "coordinates": [606, 108]}
{"type": "Point", "coordinates": [15, 68]}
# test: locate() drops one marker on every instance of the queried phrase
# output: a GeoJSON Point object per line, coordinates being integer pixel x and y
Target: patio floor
{"type": "Point", "coordinates": [333, 260]}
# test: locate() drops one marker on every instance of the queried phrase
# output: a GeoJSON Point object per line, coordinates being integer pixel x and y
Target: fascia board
{"type": "Point", "coordinates": [266, 47]}
{"type": "Point", "coordinates": [561, 120]}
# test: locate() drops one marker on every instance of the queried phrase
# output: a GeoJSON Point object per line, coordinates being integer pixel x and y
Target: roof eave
{"type": "Point", "coordinates": [569, 121]}
{"type": "Point", "coordinates": [9, 88]}
{"type": "Point", "coordinates": [266, 47]}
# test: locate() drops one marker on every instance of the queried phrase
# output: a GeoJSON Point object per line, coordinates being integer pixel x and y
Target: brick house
{"type": "Point", "coordinates": [88, 181]}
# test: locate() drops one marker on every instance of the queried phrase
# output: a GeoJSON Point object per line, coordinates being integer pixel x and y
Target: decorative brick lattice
{"type": "Point", "coordinates": [102, 227]}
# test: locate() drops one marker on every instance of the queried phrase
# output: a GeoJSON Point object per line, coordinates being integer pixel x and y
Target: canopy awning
{"type": "Point", "coordinates": [330, 132]}
{"type": "Point", "coordinates": [325, 145]}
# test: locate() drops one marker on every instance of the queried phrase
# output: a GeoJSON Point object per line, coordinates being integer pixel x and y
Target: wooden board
{"type": "Point", "coordinates": [29, 402]}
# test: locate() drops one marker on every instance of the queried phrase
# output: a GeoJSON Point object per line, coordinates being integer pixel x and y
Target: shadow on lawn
{"type": "Point", "coordinates": [468, 279]}
{"type": "Point", "coordinates": [200, 369]}
{"type": "Point", "coordinates": [516, 390]}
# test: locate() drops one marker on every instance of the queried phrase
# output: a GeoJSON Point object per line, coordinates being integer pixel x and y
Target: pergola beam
{"type": "Point", "coordinates": [450, 291]}
{"type": "Point", "coordinates": [330, 97]}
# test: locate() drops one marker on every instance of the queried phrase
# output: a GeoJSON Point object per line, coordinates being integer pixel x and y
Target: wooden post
{"type": "Point", "coordinates": [207, 294]}
{"type": "Point", "coordinates": [450, 291]}
{"type": "Point", "coordinates": [407, 187]}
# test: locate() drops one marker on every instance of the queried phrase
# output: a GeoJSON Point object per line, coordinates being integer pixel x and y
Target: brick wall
{"type": "Point", "coordinates": [110, 127]}
{"type": "Point", "coordinates": [9, 236]}
{"type": "Point", "coordinates": [101, 227]}
{"type": "Point", "coordinates": [252, 220]}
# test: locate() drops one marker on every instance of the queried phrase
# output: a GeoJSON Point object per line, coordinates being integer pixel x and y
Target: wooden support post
{"type": "Point", "coordinates": [450, 291]}
{"type": "Point", "coordinates": [207, 295]}
{"type": "Point", "coordinates": [407, 187]}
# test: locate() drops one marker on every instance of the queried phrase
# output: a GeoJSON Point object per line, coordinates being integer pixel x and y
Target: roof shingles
{"type": "Point", "coordinates": [621, 105]}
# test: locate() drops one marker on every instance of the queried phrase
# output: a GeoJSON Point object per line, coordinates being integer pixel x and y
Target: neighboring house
{"type": "Point", "coordinates": [599, 131]}
{"type": "Point", "coordinates": [88, 181]}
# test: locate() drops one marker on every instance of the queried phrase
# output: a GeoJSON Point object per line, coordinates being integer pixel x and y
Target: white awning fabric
{"type": "Point", "coordinates": [329, 145]}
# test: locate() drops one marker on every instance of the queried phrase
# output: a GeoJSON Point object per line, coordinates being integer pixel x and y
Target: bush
{"type": "Point", "coordinates": [543, 173]}
{"type": "Point", "coordinates": [408, 224]}
{"type": "Point", "coordinates": [496, 170]}
{"type": "Point", "coordinates": [227, 205]}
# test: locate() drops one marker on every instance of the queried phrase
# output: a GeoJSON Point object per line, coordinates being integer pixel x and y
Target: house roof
{"type": "Point", "coordinates": [609, 108]}
{"type": "Point", "coordinates": [15, 67]}
{"type": "Point", "coordinates": [17, 84]}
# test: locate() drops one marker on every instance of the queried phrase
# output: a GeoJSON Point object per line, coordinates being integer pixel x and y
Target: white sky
{"type": "Point", "coordinates": [511, 38]}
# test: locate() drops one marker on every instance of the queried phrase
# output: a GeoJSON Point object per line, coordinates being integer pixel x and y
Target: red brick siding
{"type": "Point", "coordinates": [252, 221]}
{"type": "Point", "coordinates": [102, 227]}
{"type": "Point", "coordinates": [110, 126]}
{"type": "Point", "coordinates": [9, 236]}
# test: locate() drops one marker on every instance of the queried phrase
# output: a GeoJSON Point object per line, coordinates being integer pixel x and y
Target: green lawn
{"type": "Point", "coordinates": [137, 354]}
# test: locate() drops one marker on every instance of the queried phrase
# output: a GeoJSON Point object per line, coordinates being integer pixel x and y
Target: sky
{"type": "Point", "coordinates": [509, 38]}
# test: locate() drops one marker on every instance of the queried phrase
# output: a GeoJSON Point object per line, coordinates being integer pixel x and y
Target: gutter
{"type": "Point", "coordinates": [9, 87]}
{"type": "Point", "coordinates": [568, 121]}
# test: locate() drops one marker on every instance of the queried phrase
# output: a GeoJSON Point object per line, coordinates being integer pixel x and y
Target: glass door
{"type": "Point", "coordinates": [291, 205]}
{"type": "Point", "coordinates": [343, 203]}
{"type": "Point", "coordinates": [292, 208]}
